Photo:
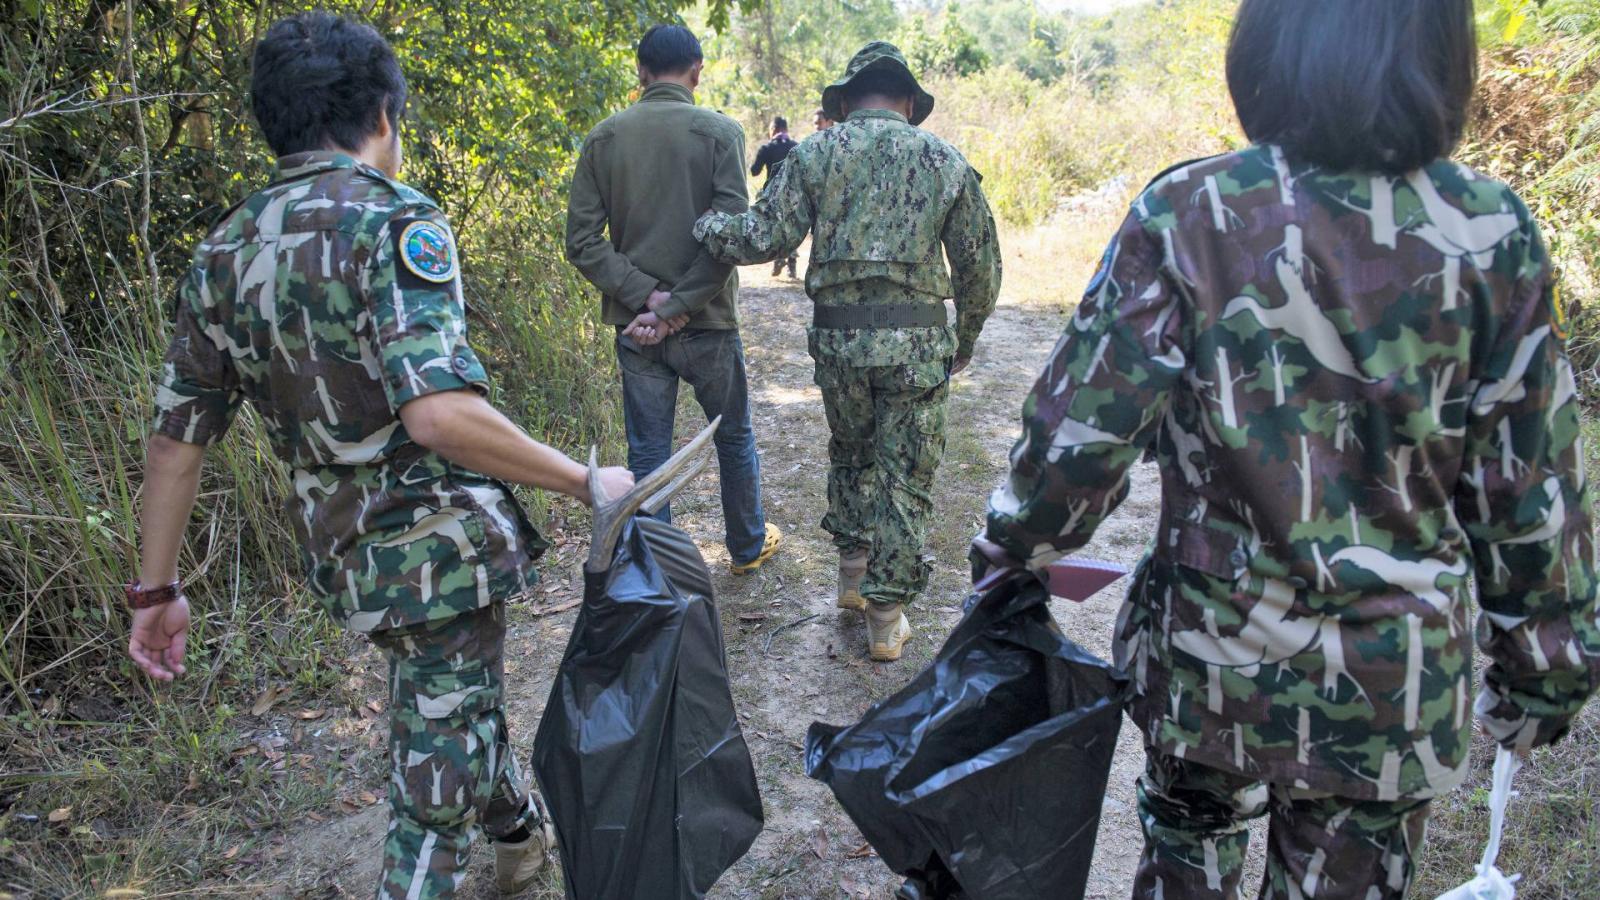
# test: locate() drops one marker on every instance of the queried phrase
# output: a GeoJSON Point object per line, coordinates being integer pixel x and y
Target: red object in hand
{"type": "Point", "coordinates": [1069, 579]}
{"type": "Point", "coordinates": [1080, 579]}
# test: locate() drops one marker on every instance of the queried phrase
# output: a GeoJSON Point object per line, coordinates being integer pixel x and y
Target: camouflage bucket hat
{"type": "Point", "coordinates": [876, 55]}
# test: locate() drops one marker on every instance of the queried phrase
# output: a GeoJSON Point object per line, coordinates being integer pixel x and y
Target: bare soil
{"type": "Point", "coordinates": [793, 657]}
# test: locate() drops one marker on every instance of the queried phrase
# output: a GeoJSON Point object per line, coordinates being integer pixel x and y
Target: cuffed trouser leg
{"type": "Point", "coordinates": [887, 427]}
{"type": "Point", "coordinates": [1320, 847]}
{"type": "Point", "coordinates": [452, 769]}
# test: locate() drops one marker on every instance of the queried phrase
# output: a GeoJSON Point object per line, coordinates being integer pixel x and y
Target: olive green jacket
{"type": "Point", "coordinates": [644, 175]}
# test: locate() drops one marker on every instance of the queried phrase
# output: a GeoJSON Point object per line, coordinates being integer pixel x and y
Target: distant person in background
{"type": "Point", "coordinates": [771, 157]}
{"type": "Point", "coordinates": [1348, 355]}
{"type": "Point", "coordinates": [643, 177]}
{"type": "Point", "coordinates": [820, 120]}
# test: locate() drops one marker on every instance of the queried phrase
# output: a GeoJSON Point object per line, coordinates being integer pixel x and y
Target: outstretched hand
{"type": "Point", "coordinates": [157, 639]}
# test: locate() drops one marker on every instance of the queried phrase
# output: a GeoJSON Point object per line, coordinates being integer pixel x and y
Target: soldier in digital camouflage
{"type": "Point", "coordinates": [1347, 355]}
{"type": "Point", "coordinates": [332, 300]}
{"type": "Point", "coordinates": [884, 202]}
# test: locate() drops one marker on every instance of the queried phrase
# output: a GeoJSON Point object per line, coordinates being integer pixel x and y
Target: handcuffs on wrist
{"type": "Point", "coordinates": [141, 597]}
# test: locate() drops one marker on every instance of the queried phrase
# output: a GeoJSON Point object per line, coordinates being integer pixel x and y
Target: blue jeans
{"type": "Point", "coordinates": [712, 362]}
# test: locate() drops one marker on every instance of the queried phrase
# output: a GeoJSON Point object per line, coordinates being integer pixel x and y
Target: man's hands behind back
{"type": "Point", "coordinates": [649, 328]}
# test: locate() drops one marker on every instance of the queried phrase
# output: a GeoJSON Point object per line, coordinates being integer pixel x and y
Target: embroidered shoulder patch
{"type": "Point", "coordinates": [427, 252]}
{"type": "Point", "coordinates": [1560, 321]}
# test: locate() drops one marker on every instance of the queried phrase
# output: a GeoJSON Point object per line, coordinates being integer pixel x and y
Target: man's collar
{"type": "Point", "coordinates": [876, 114]}
{"type": "Point", "coordinates": [668, 91]}
{"type": "Point", "coordinates": [299, 165]}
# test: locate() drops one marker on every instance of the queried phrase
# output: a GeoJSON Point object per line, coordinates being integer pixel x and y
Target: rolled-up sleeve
{"type": "Point", "coordinates": [419, 325]}
{"type": "Point", "coordinates": [198, 393]}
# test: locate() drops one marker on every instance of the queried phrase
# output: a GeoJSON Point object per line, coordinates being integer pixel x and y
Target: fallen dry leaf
{"type": "Point", "coordinates": [349, 807]}
{"type": "Point", "coordinates": [853, 888]}
{"type": "Point", "coordinates": [57, 816]}
{"type": "Point", "coordinates": [752, 617]}
{"type": "Point", "coordinates": [309, 714]}
{"type": "Point", "coordinates": [819, 843]}
{"type": "Point", "coordinates": [231, 852]}
{"type": "Point", "coordinates": [368, 797]}
{"type": "Point", "coordinates": [268, 699]}
{"type": "Point", "coordinates": [861, 852]}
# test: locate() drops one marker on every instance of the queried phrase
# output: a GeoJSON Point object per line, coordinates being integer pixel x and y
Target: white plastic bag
{"type": "Point", "coordinates": [1491, 883]}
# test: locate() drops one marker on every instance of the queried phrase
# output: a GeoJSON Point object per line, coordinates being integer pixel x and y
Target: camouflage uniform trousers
{"type": "Point", "coordinates": [452, 765]}
{"type": "Point", "coordinates": [888, 436]}
{"type": "Point", "coordinates": [1319, 846]}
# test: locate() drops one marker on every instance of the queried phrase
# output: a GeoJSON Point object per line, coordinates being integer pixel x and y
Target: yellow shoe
{"type": "Point", "coordinates": [887, 632]}
{"type": "Point", "coordinates": [852, 569]}
{"type": "Point", "coordinates": [768, 547]}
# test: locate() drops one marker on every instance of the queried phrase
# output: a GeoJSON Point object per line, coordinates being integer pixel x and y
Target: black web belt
{"type": "Point", "coordinates": [884, 315]}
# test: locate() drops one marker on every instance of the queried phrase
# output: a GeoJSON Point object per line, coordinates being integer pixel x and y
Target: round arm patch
{"type": "Point", "coordinates": [427, 252]}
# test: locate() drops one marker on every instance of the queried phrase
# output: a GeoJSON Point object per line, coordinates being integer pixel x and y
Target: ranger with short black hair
{"type": "Point", "coordinates": [885, 203]}
{"type": "Point", "coordinates": [1348, 355]}
{"type": "Point", "coordinates": [332, 300]}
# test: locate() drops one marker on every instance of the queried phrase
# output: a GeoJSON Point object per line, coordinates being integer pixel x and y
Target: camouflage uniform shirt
{"type": "Point", "coordinates": [861, 189]}
{"type": "Point", "coordinates": [301, 300]}
{"type": "Point", "coordinates": [1359, 395]}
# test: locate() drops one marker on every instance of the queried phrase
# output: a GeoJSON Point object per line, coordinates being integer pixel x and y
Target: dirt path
{"type": "Point", "coordinates": [816, 670]}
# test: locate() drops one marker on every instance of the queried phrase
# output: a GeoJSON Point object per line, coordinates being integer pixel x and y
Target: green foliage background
{"type": "Point", "coordinates": [124, 133]}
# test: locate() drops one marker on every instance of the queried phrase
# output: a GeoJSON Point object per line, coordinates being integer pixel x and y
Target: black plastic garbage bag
{"type": "Point", "coordinates": [639, 753]}
{"type": "Point", "coordinates": [985, 775]}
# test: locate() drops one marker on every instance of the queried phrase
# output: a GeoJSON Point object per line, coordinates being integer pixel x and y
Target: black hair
{"type": "Point", "coordinates": [321, 82]}
{"type": "Point", "coordinates": [669, 49]}
{"type": "Point", "coordinates": [779, 123]}
{"type": "Point", "coordinates": [1369, 85]}
{"type": "Point", "coordinates": [891, 83]}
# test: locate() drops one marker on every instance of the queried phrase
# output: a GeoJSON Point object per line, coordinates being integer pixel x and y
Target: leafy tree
{"type": "Point", "coordinates": [1017, 33]}
{"type": "Point", "coordinates": [951, 50]}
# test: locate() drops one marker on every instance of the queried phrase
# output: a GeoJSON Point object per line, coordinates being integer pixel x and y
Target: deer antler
{"type": "Point", "coordinates": [650, 494]}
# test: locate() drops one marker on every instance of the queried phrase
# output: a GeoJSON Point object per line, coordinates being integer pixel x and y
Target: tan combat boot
{"type": "Point", "coordinates": [852, 569]}
{"type": "Point", "coordinates": [887, 631]}
{"type": "Point", "coordinates": [516, 866]}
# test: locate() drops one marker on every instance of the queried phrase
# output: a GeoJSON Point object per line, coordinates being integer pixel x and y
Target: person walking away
{"type": "Point", "coordinates": [885, 203]}
{"type": "Point", "coordinates": [1348, 356]}
{"type": "Point", "coordinates": [644, 175]}
{"type": "Point", "coordinates": [331, 299]}
{"type": "Point", "coordinates": [770, 157]}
